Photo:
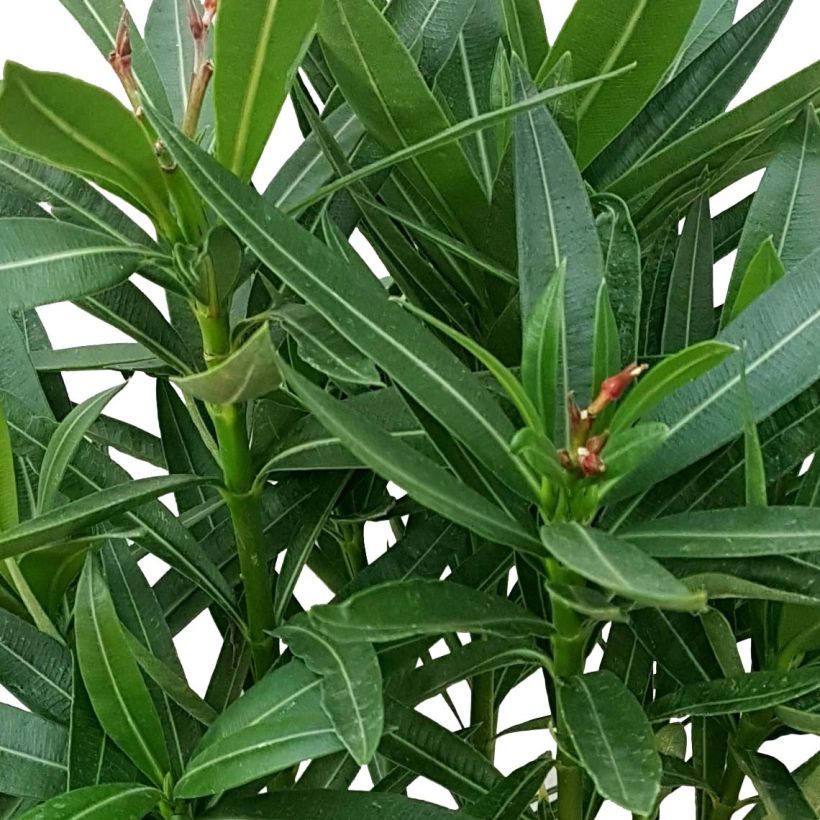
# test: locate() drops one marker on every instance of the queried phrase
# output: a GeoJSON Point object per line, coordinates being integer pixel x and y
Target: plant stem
{"type": "Point", "coordinates": [482, 714]}
{"type": "Point", "coordinates": [568, 659]}
{"type": "Point", "coordinates": [242, 499]}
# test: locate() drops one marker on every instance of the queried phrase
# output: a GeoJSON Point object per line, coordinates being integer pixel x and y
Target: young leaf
{"type": "Point", "coordinates": [613, 739]}
{"type": "Point", "coordinates": [734, 533]}
{"type": "Point", "coordinates": [407, 609]}
{"type": "Point", "coordinates": [257, 52]}
{"type": "Point", "coordinates": [120, 800]}
{"type": "Point", "coordinates": [600, 35]}
{"type": "Point", "coordinates": [764, 270]}
{"type": "Point", "coordinates": [116, 688]}
{"type": "Point", "coordinates": [618, 566]}
{"type": "Point", "coordinates": [606, 350]}
{"type": "Point", "coordinates": [663, 379]}
{"type": "Point", "coordinates": [527, 32]}
{"type": "Point", "coordinates": [43, 261]}
{"type": "Point", "coordinates": [77, 516]}
{"type": "Point", "coordinates": [351, 684]}
{"type": "Point", "coordinates": [784, 205]}
{"type": "Point", "coordinates": [690, 315]}
{"type": "Point", "coordinates": [628, 449]}
{"type": "Point", "coordinates": [48, 116]}
{"type": "Point", "coordinates": [64, 443]}
{"type": "Point", "coordinates": [555, 225]}
{"type": "Point", "coordinates": [249, 372]}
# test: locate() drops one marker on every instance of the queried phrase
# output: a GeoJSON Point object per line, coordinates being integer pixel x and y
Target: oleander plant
{"type": "Point", "coordinates": [592, 474]}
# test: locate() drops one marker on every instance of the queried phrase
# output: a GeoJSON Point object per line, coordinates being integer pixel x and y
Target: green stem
{"type": "Point", "coordinates": [242, 499]}
{"type": "Point", "coordinates": [483, 715]}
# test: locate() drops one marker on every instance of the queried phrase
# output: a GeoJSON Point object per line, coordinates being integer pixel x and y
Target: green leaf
{"type": "Point", "coordinates": [34, 668]}
{"type": "Point", "coordinates": [323, 348]}
{"type": "Point", "coordinates": [602, 35]}
{"type": "Point", "coordinates": [32, 754]}
{"type": "Point", "coordinates": [43, 261]}
{"type": "Point", "coordinates": [540, 453]}
{"type": "Point", "coordinates": [541, 354]}
{"type": "Point", "coordinates": [701, 90]}
{"type": "Point", "coordinates": [785, 204]}
{"type": "Point", "coordinates": [515, 794]}
{"type": "Point", "coordinates": [745, 693]}
{"type": "Point", "coordinates": [780, 330]}
{"type": "Point", "coordinates": [779, 793]}
{"type": "Point", "coordinates": [63, 446]}
{"type": "Point", "coordinates": [17, 373]}
{"type": "Point", "coordinates": [406, 609]}
{"type": "Point", "coordinates": [381, 82]}
{"type": "Point", "coordinates": [47, 115]}
{"type": "Point", "coordinates": [622, 269]}
{"type": "Point", "coordinates": [121, 356]}
{"type": "Point", "coordinates": [331, 805]}
{"type": "Point", "coordinates": [730, 533]}
{"type": "Point", "coordinates": [351, 684]}
{"type": "Point", "coordinates": [258, 751]}
{"type": "Point", "coordinates": [76, 516]}
{"type": "Point", "coordinates": [313, 515]}
{"type": "Point", "coordinates": [100, 20]}
{"type": "Point", "coordinates": [111, 675]}
{"type": "Point", "coordinates": [618, 566]}
{"type": "Point", "coordinates": [249, 372]}
{"type": "Point", "coordinates": [714, 18]}
{"type": "Point", "coordinates": [354, 302]}
{"type": "Point", "coordinates": [289, 690]}
{"type": "Point", "coordinates": [764, 270]}
{"type": "Point", "coordinates": [628, 449]}
{"type": "Point", "coordinates": [555, 225]}
{"type": "Point", "coordinates": [690, 315]}
{"type": "Point", "coordinates": [671, 374]}
{"type": "Point", "coordinates": [613, 739]}
{"type": "Point", "coordinates": [606, 346]}
{"type": "Point", "coordinates": [423, 479]}
{"type": "Point", "coordinates": [125, 801]}
{"type": "Point", "coordinates": [258, 49]}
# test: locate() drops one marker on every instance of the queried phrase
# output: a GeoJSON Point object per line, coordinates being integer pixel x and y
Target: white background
{"type": "Point", "coordinates": [41, 34]}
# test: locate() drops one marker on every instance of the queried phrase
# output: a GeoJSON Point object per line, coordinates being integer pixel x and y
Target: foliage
{"type": "Point", "coordinates": [574, 449]}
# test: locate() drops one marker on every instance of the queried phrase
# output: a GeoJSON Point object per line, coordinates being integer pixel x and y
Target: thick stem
{"type": "Point", "coordinates": [483, 715]}
{"type": "Point", "coordinates": [243, 501]}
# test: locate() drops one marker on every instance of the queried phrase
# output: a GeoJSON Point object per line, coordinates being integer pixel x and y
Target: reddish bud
{"type": "Point", "coordinates": [590, 463]}
{"type": "Point", "coordinates": [120, 59]}
{"type": "Point", "coordinates": [596, 443]}
{"type": "Point", "coordinates": [564, 459]}
{"type": "Point", "coordinates": [210, 12]}
{"type": "Point", "coordinates": [122, 40]}
{"type": "Point", "coordinates": [613, 388]}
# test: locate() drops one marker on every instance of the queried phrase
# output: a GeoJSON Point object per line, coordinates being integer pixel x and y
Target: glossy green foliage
{"type": "Point", "coordinates": [473, 317]}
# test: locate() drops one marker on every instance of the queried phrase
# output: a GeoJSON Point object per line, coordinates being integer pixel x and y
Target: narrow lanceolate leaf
{"type": "Point", "coordinates": [699, 93]}
{"type": "Point", "coordinates": [764, 270]}
{"type": "Point", "coordinates": [43, 261]}
{"type": "Point", "coordinates": [622, 269]}
{"type": "Point", "coordinates": [406, 609]}
{"type": "Point", "coordinates": [249, 372]}
{"type": "Point", "coordinates": [606, 350]}
{"type": "Point", "coordinates": [730, 533]}
{"type": "Point", "coordinates": [64, 443]}
{"type": "Point", "coordinates": [613, 739]}
{"type": "Point", "coordinates": [284, 692]}
{"type": "Point", "coordinates": [47, 115]}
{"type": "Point", "coordinates": [555, 225]}
{"type": "Point", "coordinates": [690, 315]}
{"type": "Point", "coordinates": [354, 302]}
{"type": "Point", "coordinates": [780, 330]}
{"type": "Point", "coordinates": [714, 18]}
{"type": "Point", "coordinates": [118, 693]}
{"type": "Point", "coordinates": [351, 684]}
{"type": "Point", "coordinates": [258, 751]}
{"type": "Point", "coordinates": [777, 789]}
{"type": "Point", "coordinates": [32, 754]}
{"type": "Point", "coordinates": [526, 31]}
{"type": "Point", "coordinates": [602, 35]}
{"type": "Point", "coordinates": [125, 801]}
{"type": "Point", "coordinates": [259, 47]}
{"type": "Point", "coordinates": [665, 378]}
{"type": "Point", "coordinates": [785, 206]}
{"type": "Point", "coordinates": [76, 516]}
{"type": "Point", "coordinates": [100, 20]}
{"type": "Point", "coordinates": [509, 799]}
{"type": "Point", "coordinates": [423, 479]}
{"type": "Point", "coordinates": [34, 668]}
{"type": "Point", "coordinates": [618, 566]}
{"type": "Point", "coordinates": [380, 80]}
{"type": "Point", "coordinates": [345, 806]}
{"type": "Point", "coordinates": [745, 693]}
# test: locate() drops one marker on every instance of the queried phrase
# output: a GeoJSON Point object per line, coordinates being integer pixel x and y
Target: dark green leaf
{"type": "Point", "coordinates": [777, 789]}
{"type": "Point", "coordinates": [508, 800]}
{"type": "Point", "coordinates": [123, 801]}
{"type": "Point", "coordinates": [764, 270]}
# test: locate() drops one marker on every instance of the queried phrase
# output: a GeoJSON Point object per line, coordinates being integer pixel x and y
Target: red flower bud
{"type": "Point", "coordinates": [590, 463]}
{"type": "Point", "coordinates": [613, 388]}
{"type": "Point", "coordinates": [210, 12]}
{"type": "Point", "coordinates": [596, 443]}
